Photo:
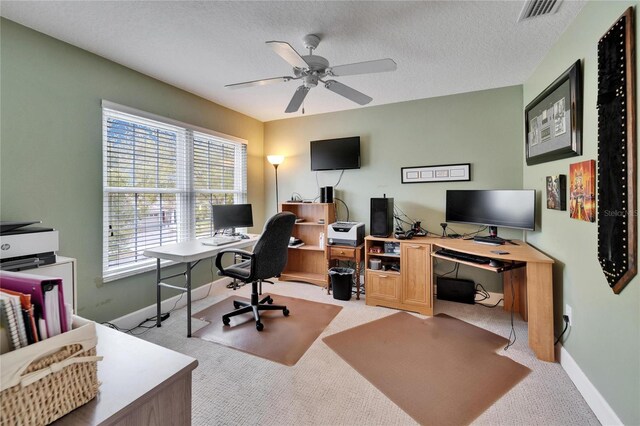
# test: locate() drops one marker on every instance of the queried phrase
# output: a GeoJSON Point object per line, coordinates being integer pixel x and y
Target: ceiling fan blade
{"type": "Point", "coordinates": [288, 53]}
{"type": "Point", "coordinates": [298, 97]}
{"type": "Point", "coordinates": [347, 92]}
{"type": "Point", "coordinates": [368, 67]}
{"type": "Point", "coordinates": [262, 82]}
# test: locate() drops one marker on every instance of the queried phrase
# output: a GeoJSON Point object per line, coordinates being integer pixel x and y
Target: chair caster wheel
{"type": "Point", "coordinates": [226, 321]}
{"type": "Point", "coordinates": [270, 301]}
{"type": "Point", "coordinates": [285, 311]}
{"type": "Point", "coordinates": [259, 326]}
{"type": "Point", "coordinates": [236, 305]}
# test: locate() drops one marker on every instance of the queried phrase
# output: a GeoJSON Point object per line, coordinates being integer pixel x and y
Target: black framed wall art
{"type": "Point", "coordinates": [553, 120]}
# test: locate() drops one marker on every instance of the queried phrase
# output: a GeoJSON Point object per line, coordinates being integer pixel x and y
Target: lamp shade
{"type": "Point", "coordinates": [275, 159]}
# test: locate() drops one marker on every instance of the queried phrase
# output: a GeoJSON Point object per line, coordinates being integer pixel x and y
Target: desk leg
{"type": "Point", "coordinates": [514, 284]}
{"type": "Point", "coordinates": [188, 299]}
{"type": "Point", "coordinates": [540, 310]}
{"type": "Point", "coordinates": [358, 275]}
{"type": "Point", "coordinates": [328, 276]}
{"type": "Point", "coordinates": [158, 295]}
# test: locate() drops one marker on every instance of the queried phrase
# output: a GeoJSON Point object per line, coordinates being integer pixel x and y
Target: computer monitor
{"type": "Point", "coordinates": [231, 216]}
{"type": "Point", "coordinates": [493, 208]}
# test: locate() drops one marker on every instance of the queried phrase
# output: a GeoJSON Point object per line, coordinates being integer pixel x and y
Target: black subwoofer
{"type": "Point", "coordinates": [381, 224]}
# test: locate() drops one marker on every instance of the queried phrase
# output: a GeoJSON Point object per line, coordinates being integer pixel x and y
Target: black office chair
{"type": "Point", "coordinates": [267, 260]}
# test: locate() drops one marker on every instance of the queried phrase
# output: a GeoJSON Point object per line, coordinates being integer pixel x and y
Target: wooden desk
{"type": "Point", "coordinates": [348, 253]}
{"type": "Point", "coordinates": [532, 286]}
{"type": "Point", "coordinates": [189, 253]}
{"type": "Point", "coordinates": [529, 283]}
{"type": "Point", "coordinates": [141, 384]}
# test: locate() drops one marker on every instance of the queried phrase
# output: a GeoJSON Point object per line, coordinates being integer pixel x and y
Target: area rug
{"type": "Point", "coordinates": [439, 370]}
{"type": "Point", "coordinates": [283, 340]}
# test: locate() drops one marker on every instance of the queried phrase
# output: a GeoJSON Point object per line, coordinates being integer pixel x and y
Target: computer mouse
{"type": "Point", "coordinates": [495, 263]}
{"type": "Point", "coordinates": [244, 236]}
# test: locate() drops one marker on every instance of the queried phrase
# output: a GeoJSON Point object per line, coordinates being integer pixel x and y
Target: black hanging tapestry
{"type": "Point", "coordinates": [617, 221]}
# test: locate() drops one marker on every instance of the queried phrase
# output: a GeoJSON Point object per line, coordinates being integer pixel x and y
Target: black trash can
{"type": "Point", "coordinates": [341, 279]}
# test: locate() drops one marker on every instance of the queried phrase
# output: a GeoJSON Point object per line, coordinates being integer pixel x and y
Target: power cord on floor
{"type": "Point", "coordinates": [163, 317]}
{"type": "Point", "coordinates": [565, 318]}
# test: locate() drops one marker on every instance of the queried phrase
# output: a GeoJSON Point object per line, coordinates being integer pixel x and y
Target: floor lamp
{"type": "Point", "coordinates": [276, 160]}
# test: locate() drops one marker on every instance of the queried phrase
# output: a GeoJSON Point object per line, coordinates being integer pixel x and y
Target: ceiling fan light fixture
{"type": "Point", "coordinates": [312, 69]}
{"type": "Point", "coordinates": [310, 81]}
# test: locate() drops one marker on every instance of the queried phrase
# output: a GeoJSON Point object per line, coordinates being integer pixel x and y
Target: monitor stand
{"type": "Point", "coordinates": [491, 239]}
{"type": "Point", "coordinates": [494, 241]}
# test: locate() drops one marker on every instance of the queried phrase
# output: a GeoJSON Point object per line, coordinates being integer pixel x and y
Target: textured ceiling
{"type": "Point", "coordinates": [441, 47]}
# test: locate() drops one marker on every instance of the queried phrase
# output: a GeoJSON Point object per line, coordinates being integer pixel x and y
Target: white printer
{"type": "Point", "coordinates": [345, 234]}
{"type": "Point", "coordinates": [24, 247]}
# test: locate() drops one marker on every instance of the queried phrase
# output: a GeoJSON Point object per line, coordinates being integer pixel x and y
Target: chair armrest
{"type": "Point", "coordinates": [245, 254]}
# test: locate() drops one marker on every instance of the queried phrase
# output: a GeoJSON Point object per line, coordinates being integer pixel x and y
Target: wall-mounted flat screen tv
{"type": "Point", "coordinates": [335, 154]}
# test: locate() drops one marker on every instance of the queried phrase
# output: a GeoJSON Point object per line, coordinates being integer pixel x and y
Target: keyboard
{"type": "Point", "coordinates": [220, 240]}
{"type": "Point", "coordinates": [463, 256]}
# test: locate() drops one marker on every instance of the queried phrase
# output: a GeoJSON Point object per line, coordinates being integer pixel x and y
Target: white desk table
{"type": "Point", "coordinates": [189, 253]}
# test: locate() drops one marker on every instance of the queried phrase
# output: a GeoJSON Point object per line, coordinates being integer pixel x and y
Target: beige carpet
{"type": "Point", "coordinates": [235, 388]}
{"type": "Point", "coordinates": [439, 370]}
{"type": "Point", "coordinates": [283, 340]}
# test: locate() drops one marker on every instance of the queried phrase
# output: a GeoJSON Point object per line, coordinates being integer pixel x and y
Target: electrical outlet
{"type": "Point", "coordinates": [569, 313]}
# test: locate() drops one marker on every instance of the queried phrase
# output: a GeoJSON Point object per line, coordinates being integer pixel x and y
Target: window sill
{"type": "Point", "coordinates": [136, 270]}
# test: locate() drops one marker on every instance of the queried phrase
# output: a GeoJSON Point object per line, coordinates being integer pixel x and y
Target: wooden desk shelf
{"type": "Point", "coordinates": [410, 288]}
{"type": "Point", "coordinates": [308, 263]}
{"type": "Point", "coordinates": [506, 267]}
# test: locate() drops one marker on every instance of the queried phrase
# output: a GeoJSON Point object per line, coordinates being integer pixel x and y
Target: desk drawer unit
{"type": "Point", "coordinates": [383, 287]}
{"type": "Point", "coordinates": [341, 252]}
{"type": "Point", "coordinates": [410, 289]}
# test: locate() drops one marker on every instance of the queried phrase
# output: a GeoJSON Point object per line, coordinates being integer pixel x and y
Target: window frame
{"type": "Point", "coordinates": [185, 190]}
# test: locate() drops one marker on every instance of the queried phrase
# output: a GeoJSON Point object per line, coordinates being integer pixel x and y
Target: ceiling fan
{"type": "Point", "coordinates": [311, 69]}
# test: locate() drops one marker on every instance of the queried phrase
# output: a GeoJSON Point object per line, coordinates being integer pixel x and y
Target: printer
{"type": "Point", "coordinates": [345, 233]}
{"type": "Point", "coordinates": [24, 247]}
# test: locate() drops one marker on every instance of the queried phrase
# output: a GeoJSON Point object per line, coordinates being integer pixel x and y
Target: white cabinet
{"type": "Point", "coordinates": [65, 268]}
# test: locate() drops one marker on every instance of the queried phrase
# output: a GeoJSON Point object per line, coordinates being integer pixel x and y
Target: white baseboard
{"type": "Point", "coordinates": [594, 399]}
{"type": "Point", "coordinates": [134, 318]}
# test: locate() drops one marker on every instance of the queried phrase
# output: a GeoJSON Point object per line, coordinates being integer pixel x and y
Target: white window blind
{"type": "Point", "coordinates": [160, 178]}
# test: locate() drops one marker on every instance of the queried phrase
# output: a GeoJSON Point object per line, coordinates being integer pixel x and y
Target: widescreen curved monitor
{"type": "Point", "coordinates": [513, 208]}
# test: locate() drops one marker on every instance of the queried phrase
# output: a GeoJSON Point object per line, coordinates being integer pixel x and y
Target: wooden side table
{"type": "Point", "coordinates": [353, 254]}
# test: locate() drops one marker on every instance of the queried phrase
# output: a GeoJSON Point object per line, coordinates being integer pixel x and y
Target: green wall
{"type": "Point", "coordinates": [482, 128]}
{"type": "Point", "coordinates": [51, 170]}
{"type": "Point", "coordinates": [605, 336]}
{"type": "Point", "coordinates": [51, 152]}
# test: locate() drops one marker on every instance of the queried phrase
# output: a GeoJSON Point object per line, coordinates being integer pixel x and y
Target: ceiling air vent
{"type": "Point", "coordinates": [535, 8]}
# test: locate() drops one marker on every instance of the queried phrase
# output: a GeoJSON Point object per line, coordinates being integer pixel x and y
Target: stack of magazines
{"type": "Point", "coordinates": [32, 309]}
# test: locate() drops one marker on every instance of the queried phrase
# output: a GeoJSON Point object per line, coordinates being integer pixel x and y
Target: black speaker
{"type": "Point", "coordinates": [381, 217]}
{"type": "Point", "coordinates": [326, 194]}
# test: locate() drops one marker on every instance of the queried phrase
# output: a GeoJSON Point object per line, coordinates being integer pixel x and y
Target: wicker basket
{"type": "Point", "coordinates": [50, 385]}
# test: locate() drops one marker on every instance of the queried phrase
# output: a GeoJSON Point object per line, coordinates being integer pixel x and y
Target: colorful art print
{"type": "Point", "coordinates": [582, 191]}
{"type": "Point", "coordinates": [556, 190]}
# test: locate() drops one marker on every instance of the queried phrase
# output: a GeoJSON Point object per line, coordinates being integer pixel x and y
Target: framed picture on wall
{"type": "Point", "coordinates": [582, 191]}
{"type": "Point", "coordinates": [553, 120]}
{"type": "Point", "coordinates": [556, 192]}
